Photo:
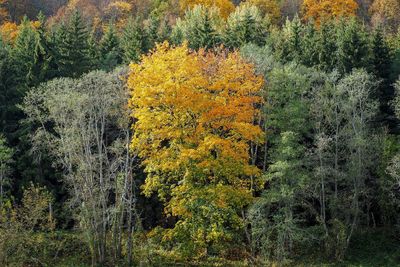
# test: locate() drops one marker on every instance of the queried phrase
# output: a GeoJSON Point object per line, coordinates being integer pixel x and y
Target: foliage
{"type": "Point", "coordinates": [196, 155]}
{"type": "Point", "coordinates": [200, 27]}
{"type": "Point", "coordinates": [385, 13]}
{"type": "Point", "coordinates": [18, 224]}
{"type": "Point", "coordinates": [324, 9]}
{"type": "Point", "coordinates": [84, 125]}
{"type": "Point", "coordinates": [225, 6]}
{"type": "Point", "coordinates": [269, 8]}
{"type": "Point", "coordinates": [6, 154]}
{"type": "Point", "coordinates": [245, 25]}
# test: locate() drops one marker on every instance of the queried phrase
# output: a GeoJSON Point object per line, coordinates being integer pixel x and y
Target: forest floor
{"type": "Point", "coordinates": [380, 248]}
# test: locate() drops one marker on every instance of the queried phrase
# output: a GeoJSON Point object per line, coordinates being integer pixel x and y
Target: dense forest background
{"type": "Point", "coordinates": [199, 132]}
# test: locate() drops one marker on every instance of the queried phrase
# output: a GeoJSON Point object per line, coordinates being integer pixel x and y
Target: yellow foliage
{"type": "Point", "coordinates": [267, 7]}
{"type": "Point", "coordinates": [194, 114]}
{"type": "Point", "coordinates": [9, 32]}
{"type": "Point", "coordinates": [119, 11]}
{"type": "Point", "coordinates": [326, 9]}
{"type": "Point", "coordinates": [225, 6]}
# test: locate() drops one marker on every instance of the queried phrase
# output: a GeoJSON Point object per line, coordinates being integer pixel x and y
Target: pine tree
{"type": "Point", "coordinates": [24, 53]}
{"type": "Point", "coordinates": [380, 63]}
{"type": "Point", "coordinates": [245, 25]}
{"type": "Point", "coordinates": [309, 50]}
{"type": "Point", "coordinates": [110, 51]}
{"type": "Point", "coordinates": [73, 47]}
{"type": "Point", "coordinates": [133, 41]}
{"type": "Point", "coordinates": [326, 47]}
{"type": "Point", "coordinates": [352, 46]}
{"type": "Point", "coordinates": [199, 28]}
{"type": "Point", "coordinates": [44, 64]}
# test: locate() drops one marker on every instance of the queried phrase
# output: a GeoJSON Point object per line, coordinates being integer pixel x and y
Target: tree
{"type": "Point", "coordinates": [325, 9]}
{"type": "Point", "coordinates": [6, 154]}
{"type": "Point", "coordinates": [385, 13]}
{"type": "Point", "coordinates": [200, 28]}
{"type": "Point", "coordinates": [196, 155]}
{"type": "Point", "coordinates": [84, 124]}
{"type": "Point", "coordinates": [275, 223]}
{"type": "Point", "coordinates": [269, 8]}
{"type": "Point", "coordinates": [225, 6]}
{"type": "Point", "coordinates": [245, 25]}
{"type": "Point", "coordinates": [352, 46]}
{"type": "Point", "coordinates": [133, 41]}
{"type": "Point", "coordinates": [24, 52]}
{"type": "Point", "coordinates": [110, 50]}
{"type": "Point", "coordinates": [73, 50]}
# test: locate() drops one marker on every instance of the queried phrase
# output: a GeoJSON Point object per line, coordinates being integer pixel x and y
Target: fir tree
{"type": "Point", "coordinates": [43, 64]}
{"type": "Point", "coordinates": [326, 47]}
{"type": "Point", "coordinates": [73, 47]}
{"type": "Point", "coordinates": [133, 41]}
{"type": "Point", "coordinates": [380, 63]}
{"type": "Point", "coordinates": [24, 53]}
{"type": "Point", "coordinates": [352, 46]}
{"type": "Point", "coordinates": [110, 51]}
{"type": "Point", "coordinates": [245, 25]}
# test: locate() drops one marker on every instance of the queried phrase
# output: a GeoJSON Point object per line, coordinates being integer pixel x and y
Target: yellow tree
{"type": "Point", "coordinates": [267, 7]}
{"type": "Point", "coordinates": [194, 116]}
{"type": "Point", "coordinates": [327, 9]}
{"type": "Point", "coordinates": [225, 6]}
{"type": "Point", "coordinates": [9, 32]}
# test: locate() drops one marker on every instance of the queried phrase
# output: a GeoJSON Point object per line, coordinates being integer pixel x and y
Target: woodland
{"type": "Point", "coordinates": [199, 133]}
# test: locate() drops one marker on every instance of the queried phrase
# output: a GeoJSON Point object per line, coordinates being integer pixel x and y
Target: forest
{"type": "Point", "coordinates": [199, 133]}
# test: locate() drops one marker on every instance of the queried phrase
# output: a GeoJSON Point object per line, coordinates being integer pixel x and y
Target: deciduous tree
{"type": "Point", "coordinates": [194, 122]}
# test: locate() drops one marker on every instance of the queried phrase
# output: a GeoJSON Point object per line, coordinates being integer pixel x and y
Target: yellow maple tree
{"type": "Point", "coordinates": [194, 114]}
{"type": "Point", "coordinates": [225, 6]}
{"type": "Point", "coordinates": [326, 9]}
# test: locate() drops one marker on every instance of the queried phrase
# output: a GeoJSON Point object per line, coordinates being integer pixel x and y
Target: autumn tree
{"type": "Point", "coordinates": [324, 9]}
{"type": "Point", "coordinates": [225, 6]}
{"type": "Point", "coordinates": [194, 122]}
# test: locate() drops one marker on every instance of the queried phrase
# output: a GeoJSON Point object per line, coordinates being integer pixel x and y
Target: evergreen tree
{"type": "Point", "coordinates": [245, 25]}
{"type": "Point", "coordinates": [73, 47]}
{"type": "Point", "coordinates": [352, 46]}
{"type": "Point", "coordinates": [110, 51]}
{"type": "Point", "coordinates": [199, 28]}
{"type": "Point", "coordinates": [380, 63]}
{"type": "Point", "coordinates": [309, 49]}
{"type": "Point", "coordinates": [24, 53]}
{"type": "Point", "coordinates": [44, 64]}
{"type": "Point", "coordinates": [326, 46]}
{"type": "Point", "coordinates": [133, 42]}
{"type": "Point", "coordinates": [289, 45]}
